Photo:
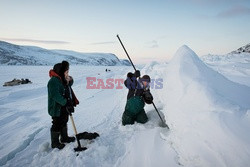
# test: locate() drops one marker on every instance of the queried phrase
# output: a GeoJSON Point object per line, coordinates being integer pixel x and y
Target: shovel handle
{"type": "Point", "coordinates": [73, 124]}
{"type": "Point", "coordinates": [74, 127]}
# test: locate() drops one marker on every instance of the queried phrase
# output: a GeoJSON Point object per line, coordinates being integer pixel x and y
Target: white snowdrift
{"type": "Point", "coordinates": [207, 113]}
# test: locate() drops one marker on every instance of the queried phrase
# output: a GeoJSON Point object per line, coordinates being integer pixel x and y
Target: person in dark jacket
{"type": "Point", "coordinates": [61, 101]}
{"type": "Point", "coordinates": [138, 95]}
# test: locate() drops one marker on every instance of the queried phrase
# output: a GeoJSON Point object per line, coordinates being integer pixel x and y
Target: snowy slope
{"type": "Point", "coordinates": [234, 65]}
{"type": "Point", "coordinates": [228, 58]}
{"type": "Point", "coordinates": [125, 62]}
{"type": "Point", "coordinates": [11, 54]}
{"type": "Point", "coordinates": [208, 114]}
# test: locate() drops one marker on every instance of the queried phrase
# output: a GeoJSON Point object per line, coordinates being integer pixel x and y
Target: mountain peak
{"type": "Point", "coordinates": [244, 49]}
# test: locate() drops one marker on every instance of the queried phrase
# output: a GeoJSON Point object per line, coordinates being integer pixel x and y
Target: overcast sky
{"type": "Point", "coordinates": [149, 29]}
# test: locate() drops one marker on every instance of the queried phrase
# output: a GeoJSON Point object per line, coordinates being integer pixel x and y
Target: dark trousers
{"type": "Point", "coordinates": [59, 122]}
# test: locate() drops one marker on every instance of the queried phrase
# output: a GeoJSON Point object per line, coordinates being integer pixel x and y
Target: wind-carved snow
{"type": "Point", "coordinates": [206, 113]}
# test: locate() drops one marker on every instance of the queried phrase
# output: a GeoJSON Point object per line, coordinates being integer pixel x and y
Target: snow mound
{"type": "Point", "coordinates": [192, 70]}
{"type": "Point", "coordinates": [206, 112]}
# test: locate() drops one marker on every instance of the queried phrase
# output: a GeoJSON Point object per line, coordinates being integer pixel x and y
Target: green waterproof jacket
{"type": "Point", "coordinates": [56, 91]}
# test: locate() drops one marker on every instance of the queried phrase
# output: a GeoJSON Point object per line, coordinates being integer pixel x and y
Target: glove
{"type": "Point", "coordinates": [130, 75]}
{"type": "Point", "coordinates": [137, 73]}
{"type": "Point", "coordinates": [148, 98]}
{"type": "Point", "coordinates": [69, 106]}
{"type": "Point", "coordinates": [70, 80]}
{"type": "Point", "coordinates": [70, 109]}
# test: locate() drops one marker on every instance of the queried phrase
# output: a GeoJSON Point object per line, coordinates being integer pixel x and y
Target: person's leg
{"type": "Point", "coordinates": [131, 109]}
{"type": "Point", "coordinates": [64, 128]}
{"type": "Point", "coordinates": [55, 133]}
{"type": "Point", "coordinates": [141, 117]}
{"type": "Point", "coordinates": [127, 119]}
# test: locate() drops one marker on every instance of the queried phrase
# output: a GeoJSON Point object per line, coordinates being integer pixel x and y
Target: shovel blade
{"type": "Point", "coordinates": [78, 149]}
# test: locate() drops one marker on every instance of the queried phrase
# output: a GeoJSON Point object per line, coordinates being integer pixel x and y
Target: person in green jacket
{"type": "Point", "coordinates": [138, 95]}
{"type": "Point", "coordinates": [61, 101]}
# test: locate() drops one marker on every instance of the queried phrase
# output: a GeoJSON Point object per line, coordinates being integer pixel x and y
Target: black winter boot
{"type": "Point", "coordinates": [55, 140]}
{"type": "Point", "coordinates": [64, 136]}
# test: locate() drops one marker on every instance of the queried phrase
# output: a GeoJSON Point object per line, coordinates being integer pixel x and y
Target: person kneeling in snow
{"type": "Point", "coordinates": [138, 95]}
{"type": "Point", "coordinates": [61, 101]}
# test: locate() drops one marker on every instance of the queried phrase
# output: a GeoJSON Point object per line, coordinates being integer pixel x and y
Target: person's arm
{"type": "Point", "coordinates": [148, 97]}
{"type": "Point", "coordinates": [70, 81]}
{"type": "Point", "coordinates": [137, 73]}
{"type": "Point", "coordinates": [131, 81]}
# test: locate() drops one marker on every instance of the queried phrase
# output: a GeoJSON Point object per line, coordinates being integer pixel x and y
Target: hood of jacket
{"type": "Point", "coordinates": [52, 73]}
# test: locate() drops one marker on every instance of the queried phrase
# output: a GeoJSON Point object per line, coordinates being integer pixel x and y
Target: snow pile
{"type": "Point", "coordinates": [206, 112]}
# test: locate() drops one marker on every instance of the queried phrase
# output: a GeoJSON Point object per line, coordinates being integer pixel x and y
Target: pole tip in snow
{"type": "Point", "coordinates": [163, 125]}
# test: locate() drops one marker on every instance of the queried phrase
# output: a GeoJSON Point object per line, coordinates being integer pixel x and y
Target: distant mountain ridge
{"type": "Point", "coordinates": [11, 54]}
{"type": "Point", "coordinates": [244, 49]}
{"type": "Point", "coordinates": [241, 55]}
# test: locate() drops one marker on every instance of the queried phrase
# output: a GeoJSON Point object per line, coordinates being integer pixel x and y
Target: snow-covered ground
{"type": "Point", "coordinates": [208, 114]}
{"type": "Point", "coordinates": [233, 65]}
